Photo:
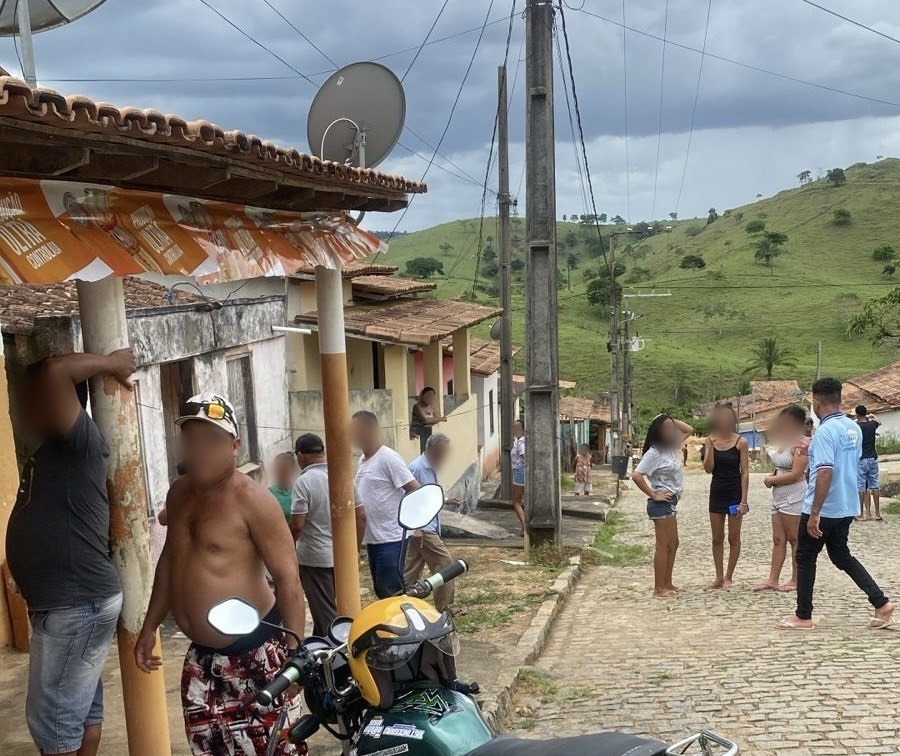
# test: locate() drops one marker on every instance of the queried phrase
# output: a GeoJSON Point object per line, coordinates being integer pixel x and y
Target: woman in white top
{"type": "Point", "coordinates": [517, 460]}
{"type": "Point", "coordinates": [660, 475]}
{"type": "Point", "coordinates": [788, 484]}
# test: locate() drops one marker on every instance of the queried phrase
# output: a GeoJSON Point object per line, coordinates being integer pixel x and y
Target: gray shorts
{"type": "Point", "coordinates": [658, 510]}
{"type": "Point", "coordinates": [65, 692]}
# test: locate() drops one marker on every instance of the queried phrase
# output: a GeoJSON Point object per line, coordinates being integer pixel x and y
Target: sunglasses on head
{"type": "Point", "coordinates": [214, 409]}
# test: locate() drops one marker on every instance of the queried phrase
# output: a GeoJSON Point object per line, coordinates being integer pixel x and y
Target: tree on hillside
{"type": "Point", "coordinates": [619, 220]}
{"type": "Point", "coordinates": [673, 216]}
{"type": "Point", "coordinates": [572, 261]}
{"type": "Point", "coordinates": [768, 354]}
{"type": "Point", "coordinates": [755, 226]}
{"type": "Point", "coordinates": [842, 217]}
{"type": "Point", "coordinates": [570, 240]}
{"type": "Point", "coordinates": [598, 292]}
{"type": "Point", "coordinates": [719, 313]}
{"type": "Point", "coordinates": [884, 253]}
{"type": "Point", "coordinates": [517, 265]}
{"type": "Point", "coordinates": [564, 217]}
{"type": "Point", "coordinates": [602, 217]}
{"type": "Point", "coordinates": [804, 177]}
{"type": "Point", "coordinates": [490, 269]}
{"type": "Point", "coordinates": [836, 177]}
{"type": "Point", "coordinates": [769, 247]}
{"type": "Point", "coordinates": [695, 262]}
{"type": "Point", "coordinates": [573, 218]}
{"type": "Point", "coordinates": [489, 255]}
{"type": "Point", "coordinates": [712, 217]}
{"type": "Point", "coordinates": [424, 267]}
{"type": "Point", "coordinates": [445, 247]}
{"type": "Point", "coordinates": [880, 319]}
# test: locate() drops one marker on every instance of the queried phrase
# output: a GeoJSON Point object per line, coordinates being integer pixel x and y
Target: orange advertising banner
{"type": "Point", "coordinates": [61, 230]}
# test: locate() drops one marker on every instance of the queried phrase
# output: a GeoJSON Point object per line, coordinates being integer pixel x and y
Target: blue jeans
{"type": "Point", "coordinates": [65, 690]}
{"type": "Point", "coordinates": [384, 564]}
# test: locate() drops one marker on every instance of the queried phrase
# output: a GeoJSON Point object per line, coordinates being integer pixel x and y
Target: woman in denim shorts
{"type": "Point", "coordinates": [517, 459]}
{"type": "Point", "coordinates": [660, 475]}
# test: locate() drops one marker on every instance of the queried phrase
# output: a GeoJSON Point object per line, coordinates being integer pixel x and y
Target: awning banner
{"type": "Point", "coordinates": [61, 230]}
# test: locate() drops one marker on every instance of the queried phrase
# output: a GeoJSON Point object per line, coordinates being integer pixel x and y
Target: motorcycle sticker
{"type": "Point", "coordinates": [374, 729]}
{"type": "Point", "coordinates": [394, 751]}
{"type": "Point", "coordinates": [430, 703]}
{"type": "Point", "coordinates": [404, 731]}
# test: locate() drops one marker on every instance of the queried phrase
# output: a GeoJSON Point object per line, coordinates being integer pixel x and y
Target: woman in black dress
{"type": "Point", "coordinates": [727, 457]}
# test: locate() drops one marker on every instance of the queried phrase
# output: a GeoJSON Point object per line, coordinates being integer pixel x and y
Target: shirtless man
{"type": "Point", "coordinates": [224, 530]}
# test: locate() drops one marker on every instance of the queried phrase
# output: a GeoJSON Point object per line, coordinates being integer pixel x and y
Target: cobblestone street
{"type": "Point", "coordinates": [619, 659]}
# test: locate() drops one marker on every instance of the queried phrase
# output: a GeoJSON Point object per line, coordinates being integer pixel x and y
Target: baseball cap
{"type": "Point", "coordinates": [309, 443]}
{"type": "Point", "coordinates": [211, 408]}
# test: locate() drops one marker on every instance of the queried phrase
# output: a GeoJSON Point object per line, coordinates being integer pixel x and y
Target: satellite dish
{"type": "Point", "coordinates": [24, 17]}
{"type": "Point", "coordinates": [357, 115]}
{"type": "Point", "coordinates": [44, 14]}
{"type": "Point", "coordinates": [497, 329]}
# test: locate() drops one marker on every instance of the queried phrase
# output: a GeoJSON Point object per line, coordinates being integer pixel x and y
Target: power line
{"type": "Point", "coordinates": [625, 79]}
{"type": "Point", "coordinates": [468, 176]}
{"type": "Point", "coordinates": [662, 83]}
{"type": "Point", "coordinates": [257, 42]}
{"type": "Point", "coordinates": [308, 40]}
{"type": "Point", "coordinates": [687, 152]}
{"type": "Point", "coordinates": [741, 64]}
{"type": "Point", "coordinates": [424, 41]}
{"type": "Point", "coordinates": [851, 20]}
{"type": "Point", "coordinates": [585, 206]}
{"type": "Point", "coordinates": [459, 92]}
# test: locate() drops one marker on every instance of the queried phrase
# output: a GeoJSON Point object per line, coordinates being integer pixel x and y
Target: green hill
{"type": "Point", "coordinates": [698, 340]}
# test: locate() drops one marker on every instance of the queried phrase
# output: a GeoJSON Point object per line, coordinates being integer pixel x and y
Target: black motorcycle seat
{"type": "Point", "coordinates": [600, 744]}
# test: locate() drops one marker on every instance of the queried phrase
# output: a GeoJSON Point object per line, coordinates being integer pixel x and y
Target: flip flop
{"type": "Point", "coordinates": [879, 519]}
{"type": "Point", "coordinates": [881, 623]}
{"type": "Point", "coordinates": [790, 624]}
{"type": "Point", "coordinates": [759, 587]}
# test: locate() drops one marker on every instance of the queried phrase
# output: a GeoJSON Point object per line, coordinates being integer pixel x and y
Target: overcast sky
{"type": "Point", "coordinates": [753, 131]}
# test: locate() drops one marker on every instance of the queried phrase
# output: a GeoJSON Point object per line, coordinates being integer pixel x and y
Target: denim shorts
{"type": "Point", "coordinates": [65, 691]}
{"type": "Point", "coordinates": [867, 475]}
{"type": "Point", "coordinates": [658, 510]}
{"type": "Point", "coordinates": [518, 476]}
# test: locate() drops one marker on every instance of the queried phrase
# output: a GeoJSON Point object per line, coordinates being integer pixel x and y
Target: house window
{"type": "Point", "coordinates": [240, 392]}
{"type": "Point", "coordinates": [491, 411]}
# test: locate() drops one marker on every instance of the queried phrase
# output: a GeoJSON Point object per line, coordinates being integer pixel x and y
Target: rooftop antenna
{"type": "Point", "coordinates": [24, 17]}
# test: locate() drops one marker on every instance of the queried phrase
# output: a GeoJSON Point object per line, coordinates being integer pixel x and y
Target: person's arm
{"type": "Point", "coordinates": [299, 508]}
{"type": "Point", "coordinates": [683, 427]}
{"type": "Point", "coordinates": [272, 536]}
{"type": "Point", "coordinates": [58, 377]}
{"type": "Point", "coordinates": [639, 476]}
{"type": "Point", "coordinates": [360, 525]}
{"type": "Point", "coordinates": [797, 472]}
{"type": "Point", "coordinates": [820, 493]}
{"type": "Point", "coordinates": [744, 450]}
{"type": "Point", "coordinates": [297, 522]}
{"type": "Point", "coordinates": [709, 454]}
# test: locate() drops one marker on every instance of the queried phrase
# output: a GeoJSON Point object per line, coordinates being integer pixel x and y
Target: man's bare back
{"type": "Point", "coordinates": [213, 555]}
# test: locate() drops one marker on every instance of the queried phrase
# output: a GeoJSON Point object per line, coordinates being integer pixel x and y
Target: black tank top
{"type": "Point", "coordinates": [726, 477]}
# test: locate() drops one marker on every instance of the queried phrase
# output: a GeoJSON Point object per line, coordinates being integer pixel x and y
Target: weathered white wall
{"type": "Point", "coordinates": [489, 443]}
{"type": "Point", "coordinates": [270, 387]}
{"type": "Point", "coordinates": [153, 435]}
{"type": "Point", "coordinates": [890, 422]}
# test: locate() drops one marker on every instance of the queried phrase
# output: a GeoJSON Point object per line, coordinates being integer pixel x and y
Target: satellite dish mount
{"type": "Point", "coordinates": [23, 20]}
{"type": "Point", "coordinates": [357, 148]}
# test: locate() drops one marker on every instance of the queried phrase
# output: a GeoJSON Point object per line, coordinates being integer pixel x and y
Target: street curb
{"type": "Point", "coordinates": [531, 644]}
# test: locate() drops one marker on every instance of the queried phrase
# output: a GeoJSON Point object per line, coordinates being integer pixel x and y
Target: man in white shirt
{"type": "Point", "coordinates": [382, 479]}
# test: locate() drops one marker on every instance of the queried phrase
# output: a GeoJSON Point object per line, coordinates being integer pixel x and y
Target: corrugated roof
{"type": "Point", "coordinates": [388, 287]}
{"type": "Point", "coordinates": [144, 148]}
{"type": "Point", "coordinates": [882, 384]}
{"type": "Point", "coordinates": [21, 304]}
{"type": "Point", "coordinates": [409, 321]}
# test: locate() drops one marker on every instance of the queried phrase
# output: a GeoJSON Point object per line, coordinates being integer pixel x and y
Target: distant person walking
{"type": "Point", "coordinates": [425, 547]}
{"type": "Point", "coordinates": [382, 479]}
{"type": "Point", "coordinates": [284, 473]}
{"type": "Point", "coordinates": [829, 508]}
{"type": "Point", "coordinates": [424, 417]}
{"type": "Point", "coordinates": [660, 475]}
{"type": "Point", "coordinates": [311, 528]}
{"type": "Point", "coordinates": [788, 484]}
{"type": "Point", "coordinates": [584, 483]}
{"type": "Point", "coordinates": [517, 459]}
{"type": "Point", "coordinates": [867, 470]}
{"type": "Point", "coordinates": [727, 458]}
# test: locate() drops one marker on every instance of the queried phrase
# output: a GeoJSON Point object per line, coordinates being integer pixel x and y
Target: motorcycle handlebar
{"type": "Point", "coordinates": [290, 673]}
{"type": "Point", "coordinates": [425, 588]}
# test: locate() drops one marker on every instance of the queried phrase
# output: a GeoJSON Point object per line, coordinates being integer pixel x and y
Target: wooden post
{"type": "Point", "coordinates": [9, 484]}
{"type": "Point", "coordinates": [114, 409]}
{"type": "Point", "coordinates": [336, 406]}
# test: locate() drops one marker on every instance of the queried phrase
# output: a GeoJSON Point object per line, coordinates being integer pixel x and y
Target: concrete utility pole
{"type": "Point", "coordinates": [504, 201]}
{"type": "Point", "coordinates": [114, 409]}
{"type": "Point", "coordinates": [627, 422]}
{"type": "Point", "coordinates": [336, 409]}
{"type": "Point", "coordinates": [615, 389]}
{"type": "Point", "coordinates": [542, 489]}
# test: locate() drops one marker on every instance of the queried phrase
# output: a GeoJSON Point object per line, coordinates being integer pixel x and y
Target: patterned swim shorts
{"type": "Point", "coordinates": [220, 717]}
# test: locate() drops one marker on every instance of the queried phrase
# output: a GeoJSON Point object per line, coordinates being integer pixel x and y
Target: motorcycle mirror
{"type": "Point", "coordinates": [233, 616]}
{"type": "Point", "coordinates": [421, 506]}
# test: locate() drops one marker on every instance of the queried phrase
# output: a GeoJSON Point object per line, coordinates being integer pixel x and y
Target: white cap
{"type": "Point", "coordinates": [212, 408]}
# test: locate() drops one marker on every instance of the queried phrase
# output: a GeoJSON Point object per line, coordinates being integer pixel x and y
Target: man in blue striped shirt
{"type": "Point", "coordinates": [830, 507]}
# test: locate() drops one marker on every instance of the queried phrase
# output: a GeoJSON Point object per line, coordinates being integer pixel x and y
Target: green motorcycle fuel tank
{"type": "Point", "coordinates": [431, 721]}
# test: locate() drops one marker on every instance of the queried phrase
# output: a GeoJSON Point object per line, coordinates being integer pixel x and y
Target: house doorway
{"type": "Point", "coordinates": [177, 386]}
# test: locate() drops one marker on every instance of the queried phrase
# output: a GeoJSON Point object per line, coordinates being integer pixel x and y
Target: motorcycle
{"type": "Point", "coordinates": [431, 716]}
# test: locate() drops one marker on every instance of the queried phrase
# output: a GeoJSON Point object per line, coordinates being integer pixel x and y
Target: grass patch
{"type": "Point", "coordinates": [567, 481]}
{"type": "Point", "coordinates": [536, 685]}
{"type": "Point", "coordinates": [891, 508]}
{"type": "Point", "coordinates": [888, 443]}
{"type": "Point", "coordinates": [489, 607]}
{"type": "Point", "coordinates": [609, 549]}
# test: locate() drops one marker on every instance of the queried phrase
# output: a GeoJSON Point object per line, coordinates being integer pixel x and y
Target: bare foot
{"type": "Point", "coordinates": [765, 585]}
{"type": "Point", "coordinates": [675, 588]}
{"type": "Point", "coordinates": [727, 583]}
{"type": "Point", "coordinates": [886, 611]}
{"type": "Point", "coordinates": [665, 593]}
{"type": "Point", "coordinates": [717, 583]}
{"type": "Point", "coordinates": [788, 587]}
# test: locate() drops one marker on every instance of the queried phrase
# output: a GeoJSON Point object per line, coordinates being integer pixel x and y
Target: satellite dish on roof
{"type": "Point", "coordinates": [357, 115]}
{"type": "Point", "coordinates": [23, 17]}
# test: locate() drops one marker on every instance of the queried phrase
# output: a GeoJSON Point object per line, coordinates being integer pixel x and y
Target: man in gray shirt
{"type": "Point", "coordinates": [311, 527]}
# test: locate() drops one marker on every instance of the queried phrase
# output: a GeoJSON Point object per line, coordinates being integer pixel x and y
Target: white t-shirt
{"type": "Point", "coordinates": [663, 468]}
{"type": "Point", "coordinates": [379, 488]}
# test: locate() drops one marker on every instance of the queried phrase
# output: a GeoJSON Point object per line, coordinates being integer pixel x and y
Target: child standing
{"type": "Point", "coordinates": [660, 475]}
{"type": "Point", "coordinates": [583, 482]}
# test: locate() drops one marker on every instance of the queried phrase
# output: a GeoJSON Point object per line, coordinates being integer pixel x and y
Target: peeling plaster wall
{"type": "Point", "coordinates": [489, 443]}
{"type": "Point", "coordinates": [153, 435]}
{"type": "Point", "coordinates": [270, 396]}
